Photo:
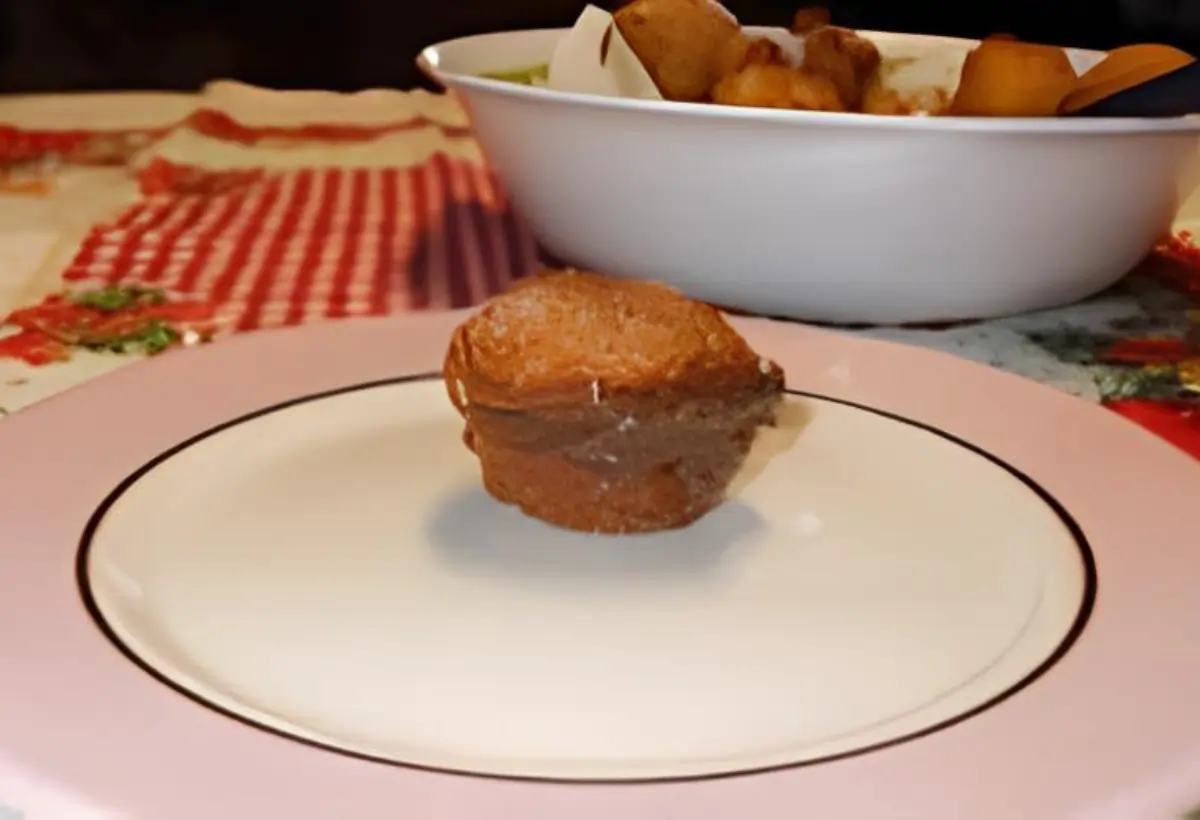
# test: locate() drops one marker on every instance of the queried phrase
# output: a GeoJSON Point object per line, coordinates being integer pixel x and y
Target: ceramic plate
{"type": "Point", "coordinates": [263, 579]}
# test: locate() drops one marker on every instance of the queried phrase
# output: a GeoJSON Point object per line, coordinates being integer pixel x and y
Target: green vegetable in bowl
{"type": "Point", "coordinates": [534, 75]}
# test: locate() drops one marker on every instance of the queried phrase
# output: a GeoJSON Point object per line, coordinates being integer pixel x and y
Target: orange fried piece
{"type": "Point", "coordinates": [1006, 78]}
{"type": "Point", "coordinates": [760, 85]}
{"type": "Point", "coordinates": [1120, 69]}
{"type": "Point", "coordinates": [851, 62]}
{"type": "Point", "coordinates": [685, 45]}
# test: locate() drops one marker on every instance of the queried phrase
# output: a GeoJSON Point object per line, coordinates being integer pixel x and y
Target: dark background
{"type": "Point", "coordinates": [56, 45]}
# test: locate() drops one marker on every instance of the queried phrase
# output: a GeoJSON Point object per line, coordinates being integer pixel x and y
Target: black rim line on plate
{"type": "Point", "coordinates": [1086, 606]}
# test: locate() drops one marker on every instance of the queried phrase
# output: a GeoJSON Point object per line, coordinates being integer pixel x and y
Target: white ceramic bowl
{"type": "Point", "coordinates": [827, 217]}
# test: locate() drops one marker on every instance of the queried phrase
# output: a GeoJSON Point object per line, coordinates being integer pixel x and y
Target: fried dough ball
{"type": "Point", "coordinates": [809, 19]}
{"type": "Point", "coordinates": [845, 58]}
{"type": "Point", "coordinates": [838, 66]}
{"type": "Point", "coordinates": [607, 405]}
{"type": "Point", "coordinates": [883, 101]}
{"type": "Point", "coordinates": [1006, 78]}
{"type": "Point", "coordinates": [760, 85]}
{"type": "Point", "coordinates": [763, 51]}
{"type": "Point", "coordinates": [685, 45]}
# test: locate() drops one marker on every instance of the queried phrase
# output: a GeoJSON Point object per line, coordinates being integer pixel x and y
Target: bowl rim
{"type": "Point", "coordinates": [428, 61]}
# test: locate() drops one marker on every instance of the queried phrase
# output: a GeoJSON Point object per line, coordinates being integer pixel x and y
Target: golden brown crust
{"type": "Point", "coordinates": [606, 404]}
{"type": "Point", "coordinates": [1006, 78]}
{"type": "Point", "coordinates": [551, 338]}
{"type": "Point", "coordinates": [685, 45]}
{"type": "Point", "coordinates": [772, 85]}
{"type": "Point", "coordinates": [809, 19]}
{"type": "Point", "coordinates": [847, 59]}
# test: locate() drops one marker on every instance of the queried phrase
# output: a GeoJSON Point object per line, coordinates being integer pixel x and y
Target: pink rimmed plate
{"type": "Point", "coordinates": [260, 580]}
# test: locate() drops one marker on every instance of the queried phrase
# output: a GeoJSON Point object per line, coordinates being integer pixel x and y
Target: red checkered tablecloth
{"type": "Point", "coordinates": [309, 244]}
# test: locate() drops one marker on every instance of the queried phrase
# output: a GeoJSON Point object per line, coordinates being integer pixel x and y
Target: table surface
{"type": "Point", "coordinates": [41, 238]}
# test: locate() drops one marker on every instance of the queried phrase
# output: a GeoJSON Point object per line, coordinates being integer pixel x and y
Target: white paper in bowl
{"type": "Point", "coordinates": [584, 64]}
{"type": "Point", "coordinates": [912, 64]}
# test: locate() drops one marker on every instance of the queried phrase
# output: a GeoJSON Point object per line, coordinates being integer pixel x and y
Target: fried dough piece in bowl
{"type": "Point", "coordinates": [768, 79]}
{"type": "Point", "coordinates": [847, 59]}
{"type": "Point", "coordinates": [1007, 78]}
{"type": "Point", "coordinates": [607, 405]}
{"type": "Point", "coordinates": [685, 45]}
{"type": "Point", "coordinates": [760, 85]}
{"type": "Point", "coordinates": [809, 19]}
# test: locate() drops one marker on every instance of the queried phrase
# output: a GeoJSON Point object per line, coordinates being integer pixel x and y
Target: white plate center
{"type": "Point", "coordinates": [333, 570]}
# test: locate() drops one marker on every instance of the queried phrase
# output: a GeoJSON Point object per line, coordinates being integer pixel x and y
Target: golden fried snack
{"type": "Point", "coordinates": [685, 45]}
{"type": "Point", "coordinates": [607, 405]}
{"type": "Point", "coordinates": [1006, 78]}
{"type": "Point", "coordinates": [1120, 69]}
{"type": "Point", "coordinates": [881, 100]}
{"type": "Point", "coordinates": [809, 19]}
{"type": "Point", "coordinates": [763, 51]}
{"type": "Point", "coordinates": [847, 59]}
{"type": "Point", "coordinates": [760, 85]}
